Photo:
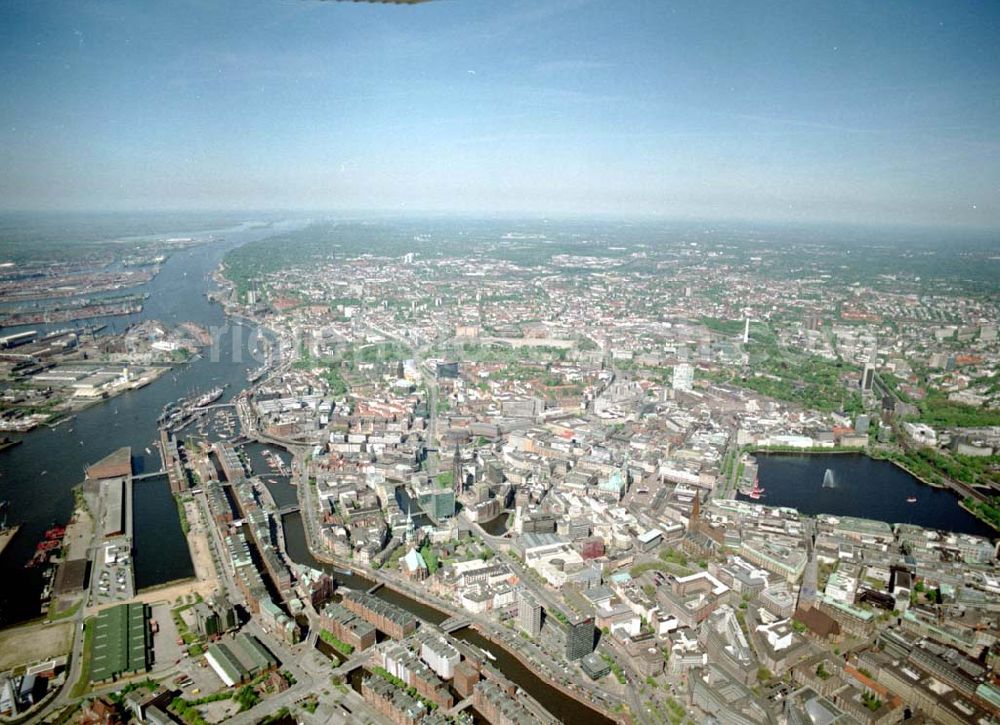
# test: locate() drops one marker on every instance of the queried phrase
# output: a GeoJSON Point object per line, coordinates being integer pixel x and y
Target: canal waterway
{"type": "Point", "coordinates": [496, 526]}
{"type": "Point", "coordinates": [283, 492]}
{"type": "Point", "coordinates": [37, 477]}
{"type": "Point", "coordinates": [852, 484]}
{"type": "Point", "coordinates": [565, 708]}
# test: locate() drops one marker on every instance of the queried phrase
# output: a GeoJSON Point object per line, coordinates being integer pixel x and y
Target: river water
{"type": "Point", "coordinates": [37, 476]}
{"type": "Point", "coordinates": [852, 484]}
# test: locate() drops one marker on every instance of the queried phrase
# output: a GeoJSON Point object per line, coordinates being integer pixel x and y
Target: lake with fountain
{"type": "Point", "coordinates": [856, 485]}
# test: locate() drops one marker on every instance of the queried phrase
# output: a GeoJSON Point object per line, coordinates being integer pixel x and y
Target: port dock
{"type": "Point", "coordinates": [7, 535]}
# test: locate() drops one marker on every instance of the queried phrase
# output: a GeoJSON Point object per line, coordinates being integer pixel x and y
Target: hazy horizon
{"type": "Point", "coordinates": [870, 116]}
{"type": "Point", "coordinates": [91, 224]}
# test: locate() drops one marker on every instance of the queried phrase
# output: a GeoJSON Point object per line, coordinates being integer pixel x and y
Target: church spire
{"type": "Point", "coordinates": [457, 471]}
{"type": "Point", "coordinates": [695, 521]}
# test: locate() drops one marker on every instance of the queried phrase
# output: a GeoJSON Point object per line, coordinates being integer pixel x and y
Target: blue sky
{"type": "Point", "coordinates": [863, 112]}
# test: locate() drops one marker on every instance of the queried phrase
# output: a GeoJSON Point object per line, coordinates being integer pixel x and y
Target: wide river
{"type": "Point", "coordinates": [37, 477]}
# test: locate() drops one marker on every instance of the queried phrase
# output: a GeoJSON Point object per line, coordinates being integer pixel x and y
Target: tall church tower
{"type": "Point", "coordinates": [694, 524]}
{"type": "Point", "coordinates": [459, 476]}
{"type": "Point", "coordinates": [810, 582]}
{"type": "Point", "coordinates": [410, 528]}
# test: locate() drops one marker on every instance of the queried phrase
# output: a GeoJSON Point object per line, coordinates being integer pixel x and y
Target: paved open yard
{"type": "Point", "coordinates": [31, 643]}
{"type": "Point", "coordinates": [165, 647]}
{"type": "Point", "coordinates": [79, 534]}
{"type": "Point", "coordinates": [205, 680]}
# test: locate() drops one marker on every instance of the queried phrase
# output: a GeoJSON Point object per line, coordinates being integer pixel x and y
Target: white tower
{"type": "Point", "coordinates": [410, 530]}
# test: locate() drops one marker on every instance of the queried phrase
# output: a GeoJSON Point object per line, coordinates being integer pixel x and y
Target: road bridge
{"type": "Point", "coordinates": [462, 705]}
{"type": "Point", "coordinates": [453, 624]}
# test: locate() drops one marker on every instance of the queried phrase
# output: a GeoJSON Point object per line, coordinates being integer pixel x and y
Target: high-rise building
{"type": "Point", "coordinates": [683, 376]}
{"type": "Point", "coordinates": [447, 371]}
{"type": "Point", "coordinates": [579, 638]}
{"type": "Point", "coordinates": [867, 378]}
{"type": "Point", "coordinates": [436, 502]}
{"type": "Point", "coordinates": [529, 614]}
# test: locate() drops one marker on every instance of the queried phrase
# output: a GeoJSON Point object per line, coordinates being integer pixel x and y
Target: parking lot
{"type": "Point", "coordinates": [112, 579]}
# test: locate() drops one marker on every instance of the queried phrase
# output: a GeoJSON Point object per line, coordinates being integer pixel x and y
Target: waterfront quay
{"type": "Point", "coordinates": [6, 534]}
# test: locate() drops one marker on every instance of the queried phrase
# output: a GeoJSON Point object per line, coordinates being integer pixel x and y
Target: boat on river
{"type": "Point", "coordinates": [210, 397]}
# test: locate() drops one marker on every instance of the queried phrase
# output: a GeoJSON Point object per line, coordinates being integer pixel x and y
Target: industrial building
{"type": "Point", "coordinates": [238, 659]}
{"type": "Point", "coordinates": [122, 642]}
{"type": "Point", "coordinates": [212, 619]}
{"type": "Point", "coordinates": [115, 465]}
{"type": "Point", "coordinates": [113, 498]}
{"type": "Point", "coordinates": [394, 621]}
{"type": "Point", "coordinates": [439, 654]}
{"type": "Point", "coordinates": [347, 626]}
{"type": "Point", "coordinates": [71, 577]}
